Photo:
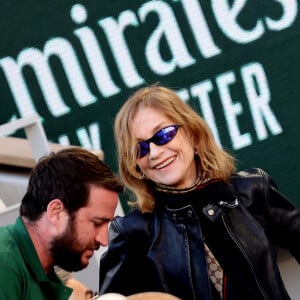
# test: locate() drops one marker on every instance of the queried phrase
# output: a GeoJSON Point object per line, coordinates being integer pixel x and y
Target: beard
{"type": "Point", "coordinates": [66, 249]}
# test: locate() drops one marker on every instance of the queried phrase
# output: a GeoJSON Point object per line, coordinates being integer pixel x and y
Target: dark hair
{"type": "Point", "coordinates": [66, 175]}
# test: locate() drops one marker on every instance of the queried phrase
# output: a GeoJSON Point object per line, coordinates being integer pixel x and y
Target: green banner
{"type": "Point", "coordinates": [236, 62]}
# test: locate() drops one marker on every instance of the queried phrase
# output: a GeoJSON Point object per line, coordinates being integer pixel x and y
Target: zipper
{"type": "Point", "coordinates": [232, 204]}
{"type": "Point", "coordinates": [244, 254]}
{"type": "Point", "coordinates": [189, 255]}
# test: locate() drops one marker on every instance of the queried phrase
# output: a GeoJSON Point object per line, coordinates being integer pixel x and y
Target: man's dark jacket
{"type": "Point", "coordinates": [242, 223]}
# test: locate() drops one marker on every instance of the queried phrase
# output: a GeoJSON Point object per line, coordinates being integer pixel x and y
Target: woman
{"type": "Point", "coordinates": [200, 230]}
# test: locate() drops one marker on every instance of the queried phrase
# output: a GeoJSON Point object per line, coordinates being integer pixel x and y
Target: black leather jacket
{"type": "Point", "coordinates": [242, 223]}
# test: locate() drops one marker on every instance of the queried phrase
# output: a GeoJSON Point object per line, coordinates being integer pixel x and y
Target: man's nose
{"type": "Point", "coordinates": [102, 236]}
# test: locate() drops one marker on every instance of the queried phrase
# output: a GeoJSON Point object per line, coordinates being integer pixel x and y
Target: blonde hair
{"type": "Point", "coordinates": [213, 161]}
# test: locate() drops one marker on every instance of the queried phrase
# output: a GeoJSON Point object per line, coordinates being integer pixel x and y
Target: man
{"type": "Point", "coordinates": [64, 216]}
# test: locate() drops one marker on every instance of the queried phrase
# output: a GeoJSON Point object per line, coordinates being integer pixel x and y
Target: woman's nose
{"type": "Point", "coordinates": [154, 150]}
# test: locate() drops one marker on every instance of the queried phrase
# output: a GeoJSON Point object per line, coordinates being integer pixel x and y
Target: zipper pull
{"type": "Point", "coordinates": [232, 204]}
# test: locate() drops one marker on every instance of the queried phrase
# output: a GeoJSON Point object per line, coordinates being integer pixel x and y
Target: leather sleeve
{"type": "Point", "coordinates": [277, 214]}
{"type": "Point", "coordinates": [124, 267]}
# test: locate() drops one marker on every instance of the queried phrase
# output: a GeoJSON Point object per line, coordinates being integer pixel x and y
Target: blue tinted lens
{"type": "Point", "coordinates": [144, 148]}
{"type": "Point", "coordinates": [162, 137]}
{"type": "Point", "coordinates": [165, 135]}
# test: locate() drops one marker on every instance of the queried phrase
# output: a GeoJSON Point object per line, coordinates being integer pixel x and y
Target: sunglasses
{"type": "Point", "coordinates": [161, 137]}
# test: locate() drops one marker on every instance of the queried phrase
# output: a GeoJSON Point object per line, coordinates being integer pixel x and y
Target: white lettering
{"type": "Point", "coordinates": [90, 139]}
{"type": "Point", "coordinates": [200, 28]}
{"type": "Point", "coordinates": [259, 97]}
{"type": "Point", "coordinates": [226, 17]}
{"type": "Point", "coordinates": [93, 53]}
{"type": "Point", "coordinates": [232, 110]}
{"type": "Point", "coordinates": [201, 91]}
{"type": "Point", "coordinates": [63, 139]}
{"type": "Point", "coordinates": [65, 52]}
{"type": "Point", "coordinates": [167, 27]}
{"type": "Point", "coordinates": [115, 34]}
{"type": "Point", "coordinates": [290, 12]}
{"type": "Point", "coordinates": [40, 64]}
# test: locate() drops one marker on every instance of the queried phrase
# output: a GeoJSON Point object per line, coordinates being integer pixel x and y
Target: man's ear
{"type": "Point", "coordinates": [55, 209]}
